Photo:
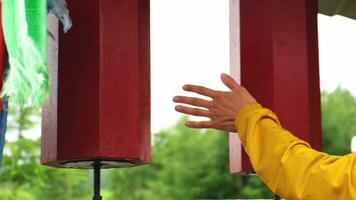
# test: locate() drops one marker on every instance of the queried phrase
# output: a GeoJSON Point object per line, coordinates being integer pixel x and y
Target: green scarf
{"type": "Point", "coordinates": [25, 31]}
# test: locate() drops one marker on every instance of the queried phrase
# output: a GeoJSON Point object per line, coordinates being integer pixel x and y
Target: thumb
{"type": "Point", "coordinates": [229, 82]}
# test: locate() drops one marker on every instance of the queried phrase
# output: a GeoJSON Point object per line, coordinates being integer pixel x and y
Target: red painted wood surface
{"type": "Point", "coordinates": [100, 109]}
{"type": "Point", "coordinates": [279, 66]}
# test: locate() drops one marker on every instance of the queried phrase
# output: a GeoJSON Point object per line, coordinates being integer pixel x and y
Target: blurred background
{"type": "Point", "coordinates": [190, 44]}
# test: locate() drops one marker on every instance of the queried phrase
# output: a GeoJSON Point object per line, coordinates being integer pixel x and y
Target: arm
{"type": "Point", "coordinates": [288, 165]}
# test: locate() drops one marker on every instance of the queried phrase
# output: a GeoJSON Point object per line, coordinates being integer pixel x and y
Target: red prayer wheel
{"type": "Point", "coordinates": [99, 107]}
{"type": "Point", "coordinates": [274, 52]}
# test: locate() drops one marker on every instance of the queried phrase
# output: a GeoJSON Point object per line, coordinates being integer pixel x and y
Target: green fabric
{"type": "Point", "coordinates": [25, 30]}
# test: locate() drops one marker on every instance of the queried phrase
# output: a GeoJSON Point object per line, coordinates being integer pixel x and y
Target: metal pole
{"type": "Point", "coordinates": [97, 167]}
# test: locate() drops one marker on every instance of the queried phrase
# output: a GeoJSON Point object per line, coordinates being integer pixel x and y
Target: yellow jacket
{"type": "Point", "coordinates": [288, 165]}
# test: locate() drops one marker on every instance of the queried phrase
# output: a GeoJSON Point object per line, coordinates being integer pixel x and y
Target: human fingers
{"type": "Point", "coordinates": [229, 81]}
{"type": "Point", "coordinates": [200, 90]}
{"type": "Point", "coordinates": [192, 101]}
{"type": "Point", "coordinates": [193, 111]}
{"type": "Point", "coordinates": [199, 124]}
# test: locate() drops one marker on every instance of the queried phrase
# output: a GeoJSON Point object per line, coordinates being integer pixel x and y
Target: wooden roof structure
{"type": "Point", "coordinates": [346, 8]}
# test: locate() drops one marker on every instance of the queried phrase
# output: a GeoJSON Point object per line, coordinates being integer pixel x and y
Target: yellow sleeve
{"type": "Point", "coordinates": [288, 165]}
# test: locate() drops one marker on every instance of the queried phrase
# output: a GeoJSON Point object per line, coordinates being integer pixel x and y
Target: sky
{"type": "Point", "coordinates": [190, 44]}
{"type": "Point", "coordinates": [337, 52]}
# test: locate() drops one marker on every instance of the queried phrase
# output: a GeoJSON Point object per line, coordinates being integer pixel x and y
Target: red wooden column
{"type": "Point", "coordinates": [99, 109]}
{"type": "Point", "coordinates": [274, 52]}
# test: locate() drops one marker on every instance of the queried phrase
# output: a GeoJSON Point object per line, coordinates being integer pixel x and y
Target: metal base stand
{"type": "Point", "coordinates": [97, 167]}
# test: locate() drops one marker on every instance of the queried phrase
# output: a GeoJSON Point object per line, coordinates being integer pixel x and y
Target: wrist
{"type": "Point", "coordinates": [245, 111]}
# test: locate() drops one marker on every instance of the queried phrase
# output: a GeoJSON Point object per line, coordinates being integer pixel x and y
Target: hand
{"type": "Point", "coordinates": [222, 109]}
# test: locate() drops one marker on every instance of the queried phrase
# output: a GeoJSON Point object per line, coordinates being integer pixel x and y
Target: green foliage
{"type": "Point", "coordinates": [23, 193]}
{"type": "Point", "coordinates": [22, 176]}
{"type": "Point", "coordinates": [253, 187]}
{"type": "Point", "coordinates": [187, 164]}
{"type": "Point", "coordinates": [22, 118]}
{"type": "Point", "coordinates": [20, 162]}
{"type": "Point", "coordinates": [339, 121]}
{"type": "Point", "coordinates": [64, 184]}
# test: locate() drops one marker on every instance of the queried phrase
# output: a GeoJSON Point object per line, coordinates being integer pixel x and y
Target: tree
{"type": "Point", "coordinates": [187, 164]}
{"type": "Point", "coordinates": [22, 175]}
{"type": "Point", "coordinates": [338, 120]}
{"type": "Point", "coordinates": [22, 118]}
{"type": "Point", "coordinates": [19, 167]}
